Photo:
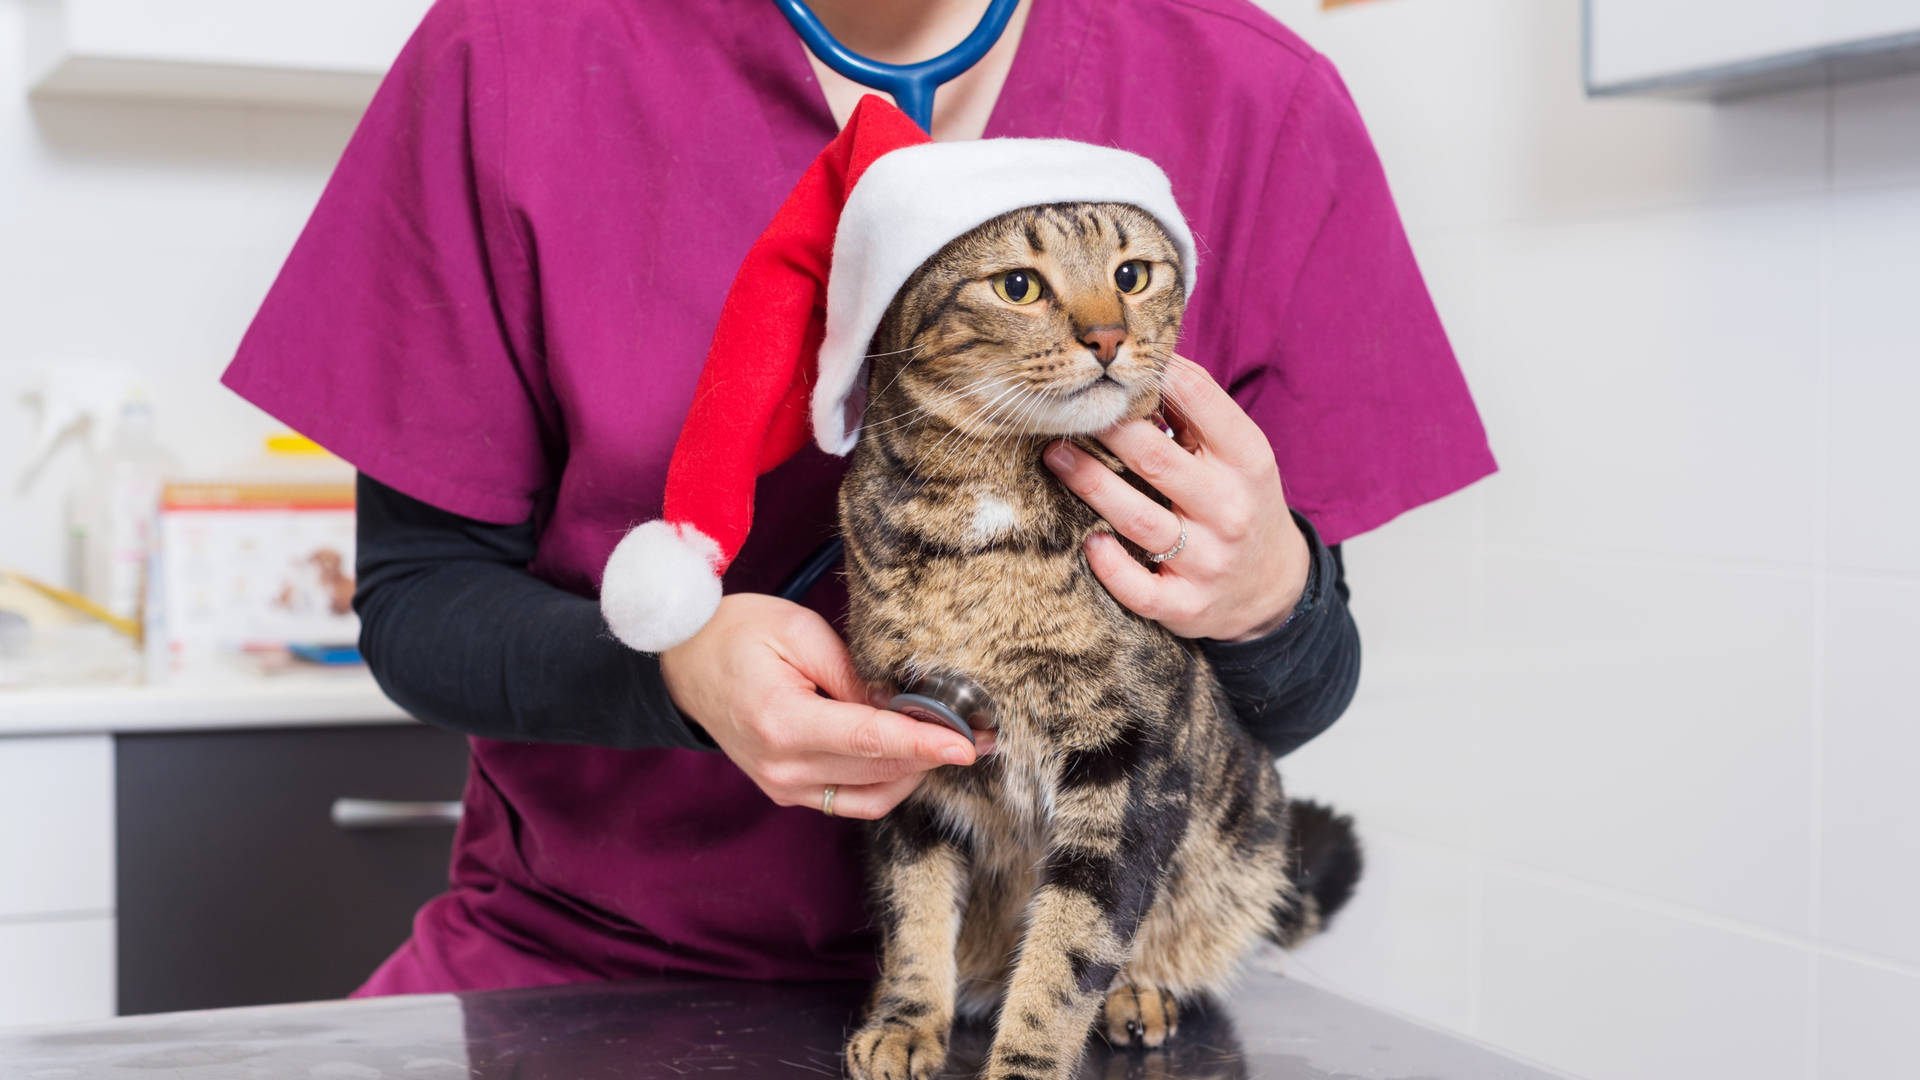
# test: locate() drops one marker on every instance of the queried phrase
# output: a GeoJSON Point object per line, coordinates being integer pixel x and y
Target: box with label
{"type": "Point", "coordinates": [251, 566]}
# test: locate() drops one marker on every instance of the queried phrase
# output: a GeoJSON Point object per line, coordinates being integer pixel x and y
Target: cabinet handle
{"type": "Point", "coordinates": [388, 814]}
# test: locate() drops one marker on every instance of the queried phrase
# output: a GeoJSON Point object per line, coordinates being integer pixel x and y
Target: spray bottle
{"type": "Point", "coordinates": [110, 515]}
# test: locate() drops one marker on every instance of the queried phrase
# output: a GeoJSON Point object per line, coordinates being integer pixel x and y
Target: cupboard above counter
{"type": "Point", "coordinates": [1736, 48]}
{"type": "Point", "coordinates": [289, 52]}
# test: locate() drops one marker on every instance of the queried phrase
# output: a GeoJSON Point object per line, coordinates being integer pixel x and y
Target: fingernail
{"type": "Point", "coordinates": [957, 755]}
{"type": "Point", "coordinates": [1059, 457]}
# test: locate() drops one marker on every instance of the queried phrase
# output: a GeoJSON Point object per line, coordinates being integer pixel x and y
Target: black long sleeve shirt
{"type": "Point", "coordinates": [461, 635]}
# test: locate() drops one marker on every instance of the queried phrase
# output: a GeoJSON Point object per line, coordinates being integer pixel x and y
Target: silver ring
{"type": "Point", "coordinates": [826, 801]}
{"type": "Point", "coordinates": [1165, 555]}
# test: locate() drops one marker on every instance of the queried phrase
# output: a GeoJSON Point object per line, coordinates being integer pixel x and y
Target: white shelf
{"type": "Point", "coordinates": [299, 52]}
{"type": "Point", "coordinates": [294, 699]}
{"type": "Point", "coordinates": [1734, 48]}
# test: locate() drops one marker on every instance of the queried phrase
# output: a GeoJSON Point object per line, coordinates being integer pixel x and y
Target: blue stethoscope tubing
{"type": "Point", "coordinates": [911, 86]}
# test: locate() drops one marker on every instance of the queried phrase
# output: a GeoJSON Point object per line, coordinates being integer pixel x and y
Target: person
{"type": "Point", "coordinates": [498, 312]}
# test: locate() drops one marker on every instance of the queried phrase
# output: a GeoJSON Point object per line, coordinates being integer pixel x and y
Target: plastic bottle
{"type": "Point", "coordinates": [114, 516]}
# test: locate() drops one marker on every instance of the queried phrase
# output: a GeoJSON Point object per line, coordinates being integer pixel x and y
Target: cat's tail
{"type": "Point", "coordinates": [1323, 863]}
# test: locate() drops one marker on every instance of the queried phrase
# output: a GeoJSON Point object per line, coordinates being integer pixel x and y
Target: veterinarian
{"type": "Point", "coordinates": [498, 312]}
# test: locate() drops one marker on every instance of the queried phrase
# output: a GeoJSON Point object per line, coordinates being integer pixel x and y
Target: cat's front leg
{"type": "Point", "coordinates": [920, 877]}
{"type": "Point", "coordinates": [1119, 813]}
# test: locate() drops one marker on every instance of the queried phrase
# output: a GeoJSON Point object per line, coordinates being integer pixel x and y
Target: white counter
{"type": "Point", "coordinates": [293, 699]}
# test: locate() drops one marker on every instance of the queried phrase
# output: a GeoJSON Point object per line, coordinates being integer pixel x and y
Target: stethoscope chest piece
{"type": "Point", "coordinates": [953, 701]}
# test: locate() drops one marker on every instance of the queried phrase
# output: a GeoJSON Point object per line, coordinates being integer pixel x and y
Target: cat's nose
{"type": "Point", "coordinates": [1104, 341]}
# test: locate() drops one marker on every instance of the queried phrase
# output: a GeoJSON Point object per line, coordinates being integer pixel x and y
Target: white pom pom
{"type": "Point", "coordinates": [660, 587]}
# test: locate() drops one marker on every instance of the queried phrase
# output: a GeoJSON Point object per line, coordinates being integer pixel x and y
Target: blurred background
{"type": "Point", "coordinates": [1633, 749]}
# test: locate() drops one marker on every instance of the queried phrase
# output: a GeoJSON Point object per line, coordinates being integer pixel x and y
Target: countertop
{"type": "Point", "coordinates": [296, 698]}
{"type": "Point", "coordinates": [675, 1028]}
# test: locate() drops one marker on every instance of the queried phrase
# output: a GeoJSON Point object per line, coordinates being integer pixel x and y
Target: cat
{"type": "Point", "coordinates": [1127, 842]}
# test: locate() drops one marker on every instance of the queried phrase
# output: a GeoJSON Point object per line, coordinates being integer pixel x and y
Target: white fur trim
{"type": "Point", "coordinates": [911, 202]}
{"type": "Point", "coordinates": [660, 587]}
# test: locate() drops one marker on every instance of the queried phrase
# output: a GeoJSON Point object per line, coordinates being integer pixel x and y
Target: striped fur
{"type": "Point", "coordinates": [1127, 843]}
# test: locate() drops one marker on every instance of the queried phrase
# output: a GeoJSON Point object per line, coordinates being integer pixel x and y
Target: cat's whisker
{"type": "Point", "coordinates": [925, 458]}
{"type": "Point", "coordinates": [996, 420]}
{"type": "Point", "coordinates": [940, 400]}
{"type": "Point", "coordinates": [916, 349]}
{"type": "Point", "coordinates": [1013, 428]}
{"type": "Point", "coordinates": [985, 441]}
{"type": "Point", "coordinates": [939, 394]}
{"type": "Point", "coordinates": [1032, 414]}
{"type": "Point", "coordinates": [918, 412]}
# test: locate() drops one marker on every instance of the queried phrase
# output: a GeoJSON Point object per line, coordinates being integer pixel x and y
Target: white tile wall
{"type": "Point", "coordinates": [1412, 762]}
{"type": "Point", "coordinates": [1651, 378]}
{"type": "Point", "coordinates": [1576, 157]}
{"type": "Point", "coordinates": [1411, 941]}
{"type": "Point", "coordinates": [1866, 1021]}
{"type": "Point", "coordinates": [1869, 815]}
{"type": "Point", "coordinates": [1647, 729]}
{"type": "Point", "coordinates": [1874, 468]}
{"type": "Point", "coordinates": [1645, 700]}
{"type": "Point", "coordinates": [1563, 155]}
{"type": "Point", "coordinates": [1614, 991]}
{"type": "Point", "coordinates": [1384, 51]}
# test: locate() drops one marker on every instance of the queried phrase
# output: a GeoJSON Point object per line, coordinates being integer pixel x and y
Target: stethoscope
{"type": "Point", "coordinates": [949, 699]}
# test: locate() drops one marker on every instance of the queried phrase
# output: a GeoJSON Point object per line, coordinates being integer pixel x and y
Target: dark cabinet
{"type": "Point", "coordinates": [236, 885]}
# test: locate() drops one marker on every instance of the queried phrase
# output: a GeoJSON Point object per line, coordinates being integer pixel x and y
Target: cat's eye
{"type": "Point", "coordinates": [1132, 276]}
{"type": "Point", "coordinates": [1017, 286]}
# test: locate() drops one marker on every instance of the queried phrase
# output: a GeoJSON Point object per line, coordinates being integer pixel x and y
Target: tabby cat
{"type": "Point", "coordinates": [1127, 842]}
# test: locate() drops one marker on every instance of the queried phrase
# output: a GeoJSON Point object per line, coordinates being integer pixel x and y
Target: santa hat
{"type": "Point", "coordinates": [792, 340]}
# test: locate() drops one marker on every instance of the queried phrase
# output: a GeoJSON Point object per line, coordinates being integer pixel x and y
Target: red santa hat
{"type": "Point", "coordinates": [792, 339]}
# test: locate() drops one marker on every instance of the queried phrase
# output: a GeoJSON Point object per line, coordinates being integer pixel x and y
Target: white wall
{"type": "Point", "coordinates": [1634, 745]}
{"type": "Point", "coordinates": [142, 234]}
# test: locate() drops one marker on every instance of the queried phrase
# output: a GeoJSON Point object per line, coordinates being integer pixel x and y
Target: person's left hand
{"type": "Point", "coordinates": [1245, 562]}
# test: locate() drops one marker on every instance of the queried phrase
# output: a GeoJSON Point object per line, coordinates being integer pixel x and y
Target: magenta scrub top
{"type": "Point", "coordinates": [501, 305]}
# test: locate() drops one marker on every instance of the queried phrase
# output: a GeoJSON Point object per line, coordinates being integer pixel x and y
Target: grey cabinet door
{"type": "Point", "coordinates": [235, 887]}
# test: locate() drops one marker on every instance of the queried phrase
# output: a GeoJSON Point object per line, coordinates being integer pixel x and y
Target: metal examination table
{"type": "Point", "coordinates": [668, 1029]}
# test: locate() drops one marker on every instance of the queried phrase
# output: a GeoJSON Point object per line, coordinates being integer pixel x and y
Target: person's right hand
{"type": "Point", "coordinates": [773, 685]}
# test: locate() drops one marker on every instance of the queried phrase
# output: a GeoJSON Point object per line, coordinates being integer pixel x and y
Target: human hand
{"type": "Point", "coordinates": [1245, 562]}
{"type": "Point", "coordinates": [754, 677]}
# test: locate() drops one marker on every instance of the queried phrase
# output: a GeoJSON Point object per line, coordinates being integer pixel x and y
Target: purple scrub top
{"type": "Point", "coordinates": [502, 302]}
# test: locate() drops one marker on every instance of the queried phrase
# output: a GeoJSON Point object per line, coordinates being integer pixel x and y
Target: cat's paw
{"type": "Point", "coordinates": [892, 1049]}
{"type": "Point", "coordinates": [1141, 1016]}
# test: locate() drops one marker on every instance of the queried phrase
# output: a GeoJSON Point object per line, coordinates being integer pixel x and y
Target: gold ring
{"type": "Point", "coordinates": [826, 801]}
